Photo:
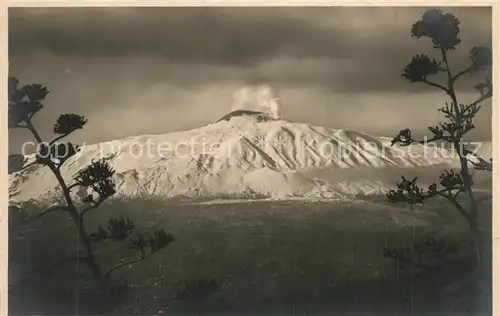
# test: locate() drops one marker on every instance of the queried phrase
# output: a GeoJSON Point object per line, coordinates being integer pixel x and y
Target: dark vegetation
{"type": "Point", "coordinates": [259, 258]}
{"type": "Point", "coordinates": [443, 29]}
{"type": "Point", "coordinates": [24, 103]}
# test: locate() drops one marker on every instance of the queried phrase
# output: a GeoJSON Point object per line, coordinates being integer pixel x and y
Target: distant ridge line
{"type": "Point", "coordinates": [261, 116]}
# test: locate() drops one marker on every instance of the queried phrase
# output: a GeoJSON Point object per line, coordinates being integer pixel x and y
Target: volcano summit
{"type": "Point", "coordinates": [247, 154]}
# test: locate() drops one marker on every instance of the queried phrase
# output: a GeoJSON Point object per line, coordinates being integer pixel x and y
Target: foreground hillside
{"type": "Point", "coordinates": [285, 257]}
{"type": "Point", "coordinates": [248, 157]}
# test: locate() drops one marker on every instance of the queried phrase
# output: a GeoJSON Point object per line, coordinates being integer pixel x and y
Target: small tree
{"type": "Point", "coordinates": [443, 30]}
{"type": "Point", "coordinates": [96, 178]}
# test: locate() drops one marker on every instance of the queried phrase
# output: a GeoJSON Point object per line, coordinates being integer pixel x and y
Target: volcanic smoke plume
{"type": "Point", "coordinates": [260, 98]}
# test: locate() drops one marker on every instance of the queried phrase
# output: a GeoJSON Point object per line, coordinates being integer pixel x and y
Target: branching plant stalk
{"type": "Point", "coordinates": [464, 168]}
{"type": "Point", "coordinates": [24, 103]}
{"type": "Point", "coordinates": [71, 208]}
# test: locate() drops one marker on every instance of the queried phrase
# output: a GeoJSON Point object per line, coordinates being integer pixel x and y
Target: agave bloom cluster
{"type": "Point", "coordinates": [442, 28]}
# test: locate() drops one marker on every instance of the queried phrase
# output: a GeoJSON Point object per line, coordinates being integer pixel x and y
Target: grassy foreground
{"type": "Point", "coordinates": [251, 258]}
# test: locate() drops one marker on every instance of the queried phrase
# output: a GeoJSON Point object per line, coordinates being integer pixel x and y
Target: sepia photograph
{"type": "Point", "coordinates": [330, 160]}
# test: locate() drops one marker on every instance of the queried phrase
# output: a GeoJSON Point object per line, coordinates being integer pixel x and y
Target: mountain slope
{"type": "Point", "coordinates": [243, 157]}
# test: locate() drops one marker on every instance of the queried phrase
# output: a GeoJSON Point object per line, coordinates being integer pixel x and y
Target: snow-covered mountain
{"type": "Point", "coordinates": [245, 155]}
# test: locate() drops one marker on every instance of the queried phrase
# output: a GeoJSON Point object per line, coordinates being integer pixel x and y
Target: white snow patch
{"type": "Point", "coordinates": [242, 158]}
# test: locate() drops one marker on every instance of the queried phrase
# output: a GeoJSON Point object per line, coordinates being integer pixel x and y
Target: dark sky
{"type": "Point", "coordinates": [155, 70]}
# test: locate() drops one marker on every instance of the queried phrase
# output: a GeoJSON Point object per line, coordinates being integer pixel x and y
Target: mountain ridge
{"type": "Point", "coordinates": [245, 157]}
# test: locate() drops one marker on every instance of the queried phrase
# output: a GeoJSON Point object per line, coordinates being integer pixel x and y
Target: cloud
{"type": "Point", "coordinates": [130, 110]}
{"type": "Point", "coordinates": [155, 70]}
{"type": "Point", "coordinates": [346, 48]}
{"type": "Point", "coordinates": [226, 35]}
{"type": "Point", "coordinates": [260, 97]}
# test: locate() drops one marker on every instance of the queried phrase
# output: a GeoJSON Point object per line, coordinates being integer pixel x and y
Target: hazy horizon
{"type": "Point", "coordinates": [135, 71]}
